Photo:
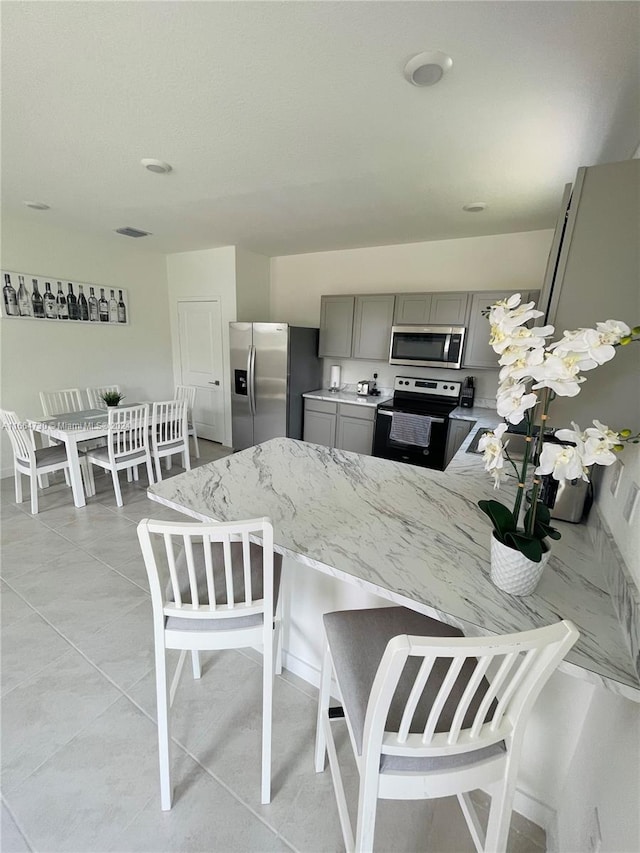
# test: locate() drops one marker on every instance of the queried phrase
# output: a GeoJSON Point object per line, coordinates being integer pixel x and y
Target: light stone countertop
{"type": "Point", "coordinates": [412, 535]}
{"type": "Point", "coordinates": [347, 396]}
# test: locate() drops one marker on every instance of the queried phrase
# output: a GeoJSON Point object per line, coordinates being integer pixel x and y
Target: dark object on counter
{"type": "Point", "coordinates": [374, 386]}
{"type": "Point", "coordinates": [568, 500]}
{"type": "Point", "coordinates": [468, 392]}
{"type": "Point", "coordinates": [363, 388]}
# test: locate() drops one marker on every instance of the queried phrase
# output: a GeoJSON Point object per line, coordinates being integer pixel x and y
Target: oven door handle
{"type": "Point", "coordinates": [433, 420]}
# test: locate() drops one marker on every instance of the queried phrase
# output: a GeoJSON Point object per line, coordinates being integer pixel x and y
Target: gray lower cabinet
{"type": "Point", "coordinates": [336, 326]}
{"type": "Point", "coordinates": [458, 431]}
{"type": "Point", "coordinates": [341, 425]}
{"type": "Point", "coordinates": [355, 428]}
{"type": "Point", "coordinates": [320, 419]}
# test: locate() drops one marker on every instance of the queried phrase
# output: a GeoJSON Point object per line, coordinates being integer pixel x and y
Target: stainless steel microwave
{"type": "Point", "coordinates": [427, 346]}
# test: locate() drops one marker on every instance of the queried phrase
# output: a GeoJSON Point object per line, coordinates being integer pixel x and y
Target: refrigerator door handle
{"type": "Point", "coordinates": [251, 370]}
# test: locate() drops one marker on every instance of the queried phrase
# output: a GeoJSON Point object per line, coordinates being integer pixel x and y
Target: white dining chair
{"type": "Point", "coordinates": [127, 444]}
{"type": "Point", "coordinates": [169, 433]}
{"type": "Point", "coordinates": [431, 713]}
{"type": "Point", "coordinates": [188, 393]}
{"type": "Point", "coordinates": [94, 396]}
{"type": "Point", "coordinates": [33, 462]}
{"type": "Point", "coordinates": [212, 588]}
{"type": "Point", "coordinates": [61, 402]}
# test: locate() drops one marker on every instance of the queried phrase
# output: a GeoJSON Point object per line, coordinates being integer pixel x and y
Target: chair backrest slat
{"type": "Point", "coordinates": [246, 566]}
{"type": "Point", "coordinates": [470, 691]}
{"type": "Point", "coordinates": [228, 569]}
{"type": "Point", "coordinates": [414, 697]}
{"type": "Point", "coordinates": [507, 662]}
{"type": "Point", "coordinates": [525, 664]}
{"type": "Point", "coordinates": [173, 572]}
{"type": "Point", "coordinates": [20, 436]}
{"type": "Point", "coordinates": [191, 570]}
{"type": "Point", "coordinates": [208, 568]}
{"type": "Point", "coordinates": [446, 687]}
{"type": "Point", "coordinates": [61, 402]}
{"type": "Point", "coordinates": [188, 393]}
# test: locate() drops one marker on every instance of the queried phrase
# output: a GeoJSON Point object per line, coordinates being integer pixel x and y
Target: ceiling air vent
{"type": "Point", "coordinates": [132, 232]}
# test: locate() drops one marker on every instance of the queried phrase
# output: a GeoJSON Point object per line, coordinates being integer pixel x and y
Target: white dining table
{"type": "Point", "coordinates": [72, 428]}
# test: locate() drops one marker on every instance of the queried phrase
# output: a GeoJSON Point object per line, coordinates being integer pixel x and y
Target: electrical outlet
{"type": "Point", "coordinates": [616, 477]}
{"type": "Point", "coordinates": [631, 503]}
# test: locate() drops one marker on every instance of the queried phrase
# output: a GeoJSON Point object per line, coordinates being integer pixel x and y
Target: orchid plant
{"type": "Point", "coordinates": [533, 373]}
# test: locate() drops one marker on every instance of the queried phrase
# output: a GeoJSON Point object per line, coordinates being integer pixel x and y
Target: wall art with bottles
{"type": "Point", "coordinates": [31, 297]}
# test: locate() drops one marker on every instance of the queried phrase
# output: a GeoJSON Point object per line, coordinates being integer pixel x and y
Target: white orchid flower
{"type": "Point", "coordinates": [493, 453]}
{"type": "Point", "coordinates": [575, 435]}
{"type": "Point", "coordinates": [559, 374]}
{"type": "Point", "coordinates": [612, 331]}
{"type": "Point", "coordinates": [603, 433]}
{"type": "Point", "coordinates": [512, 401]}
{"type": "Point", "coordinates": [563, 462]}
{"type": "Point", "coordinates": [599, 442]}
{"type": "Point", "coordinates": [521, 367]}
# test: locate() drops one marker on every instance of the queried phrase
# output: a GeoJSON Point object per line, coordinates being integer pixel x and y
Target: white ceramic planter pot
{"type": "Point", "coordinates": [512, 572]}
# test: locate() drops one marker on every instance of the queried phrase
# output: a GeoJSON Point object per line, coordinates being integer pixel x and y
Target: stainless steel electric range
{"type": "Point", "coordinates": [413, 427]}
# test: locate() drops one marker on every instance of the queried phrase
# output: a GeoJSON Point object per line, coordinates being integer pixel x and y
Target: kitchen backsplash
{"type": "Point", "coordinates": [352, 371]}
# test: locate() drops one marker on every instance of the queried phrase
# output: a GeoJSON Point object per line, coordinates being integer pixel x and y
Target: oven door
{"type": "Point", "coordinates": [426, 457]}
{"type": "Point", "coordinates": [427, 346]}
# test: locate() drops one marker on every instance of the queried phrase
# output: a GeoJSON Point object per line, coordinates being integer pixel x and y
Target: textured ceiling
{"type": "Point", "coordinates": [290, 125]}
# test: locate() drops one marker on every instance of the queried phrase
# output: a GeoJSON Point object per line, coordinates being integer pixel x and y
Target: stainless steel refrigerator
{"type": "Point", "coordinates": [272, 365]}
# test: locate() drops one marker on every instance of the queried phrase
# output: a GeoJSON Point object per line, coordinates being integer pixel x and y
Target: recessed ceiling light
{"type": "Point", "coordinates": [475, 207]}
{"type": "Point", "coordinates": [157, 166]}
{"type": "Point", "coordinates": [37, 205]}
{"type": "Point", "coordinates": [427, 69]}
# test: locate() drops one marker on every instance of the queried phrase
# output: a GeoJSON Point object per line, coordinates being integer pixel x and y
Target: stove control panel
{"type": "Point", "coordinates": [428, 387]}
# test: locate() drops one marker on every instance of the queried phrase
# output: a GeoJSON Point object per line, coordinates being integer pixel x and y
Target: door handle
{"type": "Point", "coordinates": [251, 379]}
{"type": "Point", "coordinates": [215, 382]}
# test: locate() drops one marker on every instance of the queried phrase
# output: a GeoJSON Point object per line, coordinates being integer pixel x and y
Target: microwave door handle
{"type": "Point", "coordinates": [447, 344]}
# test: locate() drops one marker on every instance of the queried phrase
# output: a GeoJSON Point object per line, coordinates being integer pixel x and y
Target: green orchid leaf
{"type": "Point", "coordinates": [525, 544]}
{"type": "Point", "coordinates": [502, 518]}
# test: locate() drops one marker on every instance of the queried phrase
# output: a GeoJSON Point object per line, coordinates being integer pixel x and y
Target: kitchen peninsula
{"type": "Point", "coordinates": [412, 536]}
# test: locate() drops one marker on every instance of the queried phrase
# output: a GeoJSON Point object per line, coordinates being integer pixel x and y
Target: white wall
{"type": "Point", "coordinates": [252, 286]}
{"type": "Point", "coordinates": [500, 262]}
{"type": "Point", "coordinates": [210, 273]}
{"type": "Point", "coordinates": [40, 355]}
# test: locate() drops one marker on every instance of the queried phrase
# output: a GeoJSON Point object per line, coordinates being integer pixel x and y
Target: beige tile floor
{"type": "Point", "coordinates": [79, 769]}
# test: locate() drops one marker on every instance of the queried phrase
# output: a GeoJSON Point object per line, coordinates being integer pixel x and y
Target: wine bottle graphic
{"type": "Point", "coordinates": [83, 308]}
{"type": "Point", "coordinates": [50, 308]}
{"type": "Point", "coordinates": [36, 300]}
{"type": "Point", "coordinates": [10, 297]}
{"type": "Point", "coordinates": [94, 314]}
{"type": "Point", "coordinates": [24, 300]}
{"type": "Point", "coordinates": [122, 309]}
{"type": "Point", "coordinates": [61, 304]}
{"type": "Point", "coordinates": [72, 303]}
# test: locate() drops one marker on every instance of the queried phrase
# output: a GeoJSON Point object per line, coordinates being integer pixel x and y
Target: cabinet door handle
{"type": "Point", "coordinates": [215, 382]}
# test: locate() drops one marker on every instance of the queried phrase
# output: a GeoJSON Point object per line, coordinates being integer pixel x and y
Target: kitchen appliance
{"type": "Point", "coordinates": [427, 346]}
{"type": "Point", "coordinates": [414, 426]}
{"type": "Point", "coordinates": [468, 392]}
{"type": "Point", "coordinates": [363, 388]}
{"type": "Point", "coordinates": [272, 365]}
{"type": "Point", "coordinates": [334, 378]}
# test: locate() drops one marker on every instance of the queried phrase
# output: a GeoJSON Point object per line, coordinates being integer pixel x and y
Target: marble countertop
{"type": "Point", "coordinates": [347, 396]}
{"type": "Point", "coordinates": [414, 536]}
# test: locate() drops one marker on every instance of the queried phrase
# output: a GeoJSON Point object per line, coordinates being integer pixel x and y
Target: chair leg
{"type": "Point", "coordinates": [338, 787]}
{"type": "Point", "coordinates": [116, 486]}
{"type": "Point", "coordinates": [136, 474]}
{"type": "Point", "coordinates": [195, 664]}
{"type": "Point", "coordinates": [195, 443]}
{"type": "Point", "coordinates": [33, 485]}
{"type": "Point", "coordinates": [17, 476]}
{"type": "Point", "coordinates": [168, 461]}
{"type": "Point", "coordinates": [164, 740]}
{"type": "Point", "coordinates": [186, 461]}
{"type": "Point", "coordinates": [267, 711]}
{"type": "Point", "coordinates": [367, 806]}
{"type": "Point", "coordinates": [150, 471]}
{"type": "Point", "coordinates": [158, 469]}
{"type": "Point", "coordinates": [323, 711]}
{"type": "Point", "coordinates": [500, 814]}
{"type": "Point", "coordinates": [87, 476]}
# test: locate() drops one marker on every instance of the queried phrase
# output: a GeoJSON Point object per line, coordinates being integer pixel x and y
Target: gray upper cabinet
{"type": "Point", "coordinates": [372, 327]}
{"type": "Point", "coordinates": [449, 309]}
{"type": "Point", "coordinates": [421, 309]}
{"type": "Point", "coordinates": [336, 326]}
{"type": "Point", "coordinates": [477, 352]}
{"type": "Point", "coordinates": [412, 309]}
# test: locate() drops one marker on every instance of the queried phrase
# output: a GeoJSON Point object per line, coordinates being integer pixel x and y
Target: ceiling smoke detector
{"type": "Point", "coordinates": [475, 207]}
{"type": "Point", "coordinates": [36, 205]}
{"type": "Point", "coordinates": [427, 69]}
{"type": "Point", "coordinates": [127, 231]}
{"type": "Point", "coordinates": [158, 167]}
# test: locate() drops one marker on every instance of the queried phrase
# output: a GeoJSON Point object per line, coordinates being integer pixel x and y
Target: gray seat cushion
{"type": "Point", "coordinates": [255, 553]}
{"type": "Point", "coordinates": [358, 639]}
{"type": "Point", "coordinates": [55, 455]}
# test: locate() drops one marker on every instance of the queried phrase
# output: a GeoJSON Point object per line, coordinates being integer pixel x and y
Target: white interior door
{"type": "Point", "coordinates": [200, 331]}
